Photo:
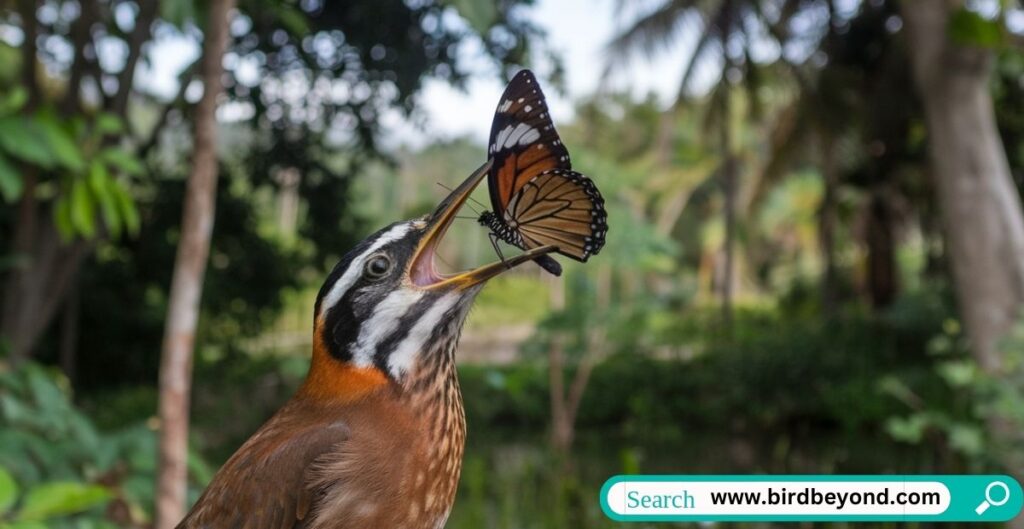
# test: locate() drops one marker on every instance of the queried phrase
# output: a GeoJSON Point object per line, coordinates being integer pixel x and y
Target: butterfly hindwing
{"type": "Point", "coordinates": [560, 207]}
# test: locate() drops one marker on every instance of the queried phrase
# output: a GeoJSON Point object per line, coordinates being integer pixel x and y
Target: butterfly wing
{"type": "Point", "coordinates": [523, 141]}
{"type": "Point", "coordinates": [559, 207]}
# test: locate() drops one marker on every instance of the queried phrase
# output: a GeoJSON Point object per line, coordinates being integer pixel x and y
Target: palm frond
{"type": "Point", "coordinates": [652, 32]}
{"type": "Point", "coordinates": [706, 42]}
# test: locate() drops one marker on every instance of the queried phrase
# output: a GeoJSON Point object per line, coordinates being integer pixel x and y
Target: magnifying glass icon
{"type": "Point", "coordinates": [989, 502]}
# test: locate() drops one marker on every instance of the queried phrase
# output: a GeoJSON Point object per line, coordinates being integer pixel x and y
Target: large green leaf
{"type": "Point", "coordinates": [121, 160]}
{"type": "Point", "coordinates": [8, 491]}
{"type": "Point", "coordinates": [62, 145]}
{"type": "Point", "coordinates": [10, 181]}
{"type": "Point", "coordinates": [126, 205]}
{"type": "Point", "coordinates": [22, 138]}
{"type": "Point", "coordinates": [83, 211]}
{"type": "Point", "coordinates": [61, 498]}
{"type": "Point", "coordinates": [107, 123]}
{"type": "Point", "coordinates": [292, 19]}
{"type": "Point", "coordinates": [13, 101]}
{"type": "Point", "coordinates": [99, 184]}
{"type": "Point", "coordinates": [62, 218]}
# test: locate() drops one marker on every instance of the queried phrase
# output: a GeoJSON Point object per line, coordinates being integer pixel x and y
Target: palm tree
{"type": "Point", "coordinates": [727, 33]}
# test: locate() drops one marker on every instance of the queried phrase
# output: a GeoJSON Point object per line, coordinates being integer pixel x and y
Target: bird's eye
{"type": "Point", "coordinates": [377, 266]}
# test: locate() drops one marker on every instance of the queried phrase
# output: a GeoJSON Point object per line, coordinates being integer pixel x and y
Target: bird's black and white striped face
{"type": "Point", "coordinates": [372, 312]}
{"type": "Point", "coordinates": [384, 303]}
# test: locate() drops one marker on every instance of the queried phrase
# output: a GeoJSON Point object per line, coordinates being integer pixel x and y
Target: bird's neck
{"type": "Point", "coordinates": [432, 387]}
{"type": "Point", "coordinates": [331, 380]}
{"type": "Point", "coordinates": [433, 394]}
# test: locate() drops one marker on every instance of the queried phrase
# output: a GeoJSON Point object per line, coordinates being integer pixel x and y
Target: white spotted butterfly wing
{"type": "Point", "coordinates": [534, 190]}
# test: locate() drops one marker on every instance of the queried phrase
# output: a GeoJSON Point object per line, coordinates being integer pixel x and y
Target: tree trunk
{"type": "Point", "coordinates": [38, 283]}
{"type": "Point", "coordinates": [561, 430]}
{"type": "Point", "coordinates": [187, 283]}
{"type": "Point", "coordinates": [980, 207]}
{"type": "Point", "coordinates": [68, 354]}
{"type": "Point", "coordinates": [883, 277]}
{"type": "Point", "coordinates": [29, 24]}
{"type": "Point", "coordinates": [565, 404]}
{"type": "Point", "coordinates": [141, 34]}
{"type": "Point", "coordinates": [729, 189]}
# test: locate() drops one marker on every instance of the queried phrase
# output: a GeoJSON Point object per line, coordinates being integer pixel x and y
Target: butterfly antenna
{"type": "Point", "coordinates": [471, 198]}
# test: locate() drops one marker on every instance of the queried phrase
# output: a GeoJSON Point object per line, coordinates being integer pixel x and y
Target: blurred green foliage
{"type": "Point", "coordinates": [92, 174]}
{"type": "Point", "coordinates": [71, 473]}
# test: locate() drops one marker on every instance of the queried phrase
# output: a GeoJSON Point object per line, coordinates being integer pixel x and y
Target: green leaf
{"type": "Point", "coordinates": [22, 138]}
{"type": "Point", "coordinates": [61, 498]}
{"type": "Point", "coordinates": [62, 218]}
{"type": "Point", "coordinates": [126, 205]}
{"type": "Point", "coordinates": [14, 100]}
{"type": "Point", "coordinates": [957, 373]}
{"type": "Point", "coordinates": [107, 123]}
{"type": "Point", "coordinates": [83, 212]}
{"type": "Point", "coordinates": [292, 19]}
{"type": "Point", "coordinates": [908, 429]}
{"type": "Point", "coordinates": [10, 181]}
{"type": "Point", "coordinates": [122, 160]}
{"type": "Point", "coordinates": [967, 439]}
{"type": "Point", "coordinates": [99, 184]}
{"type": "Point", "coordinates": [62, 145]}
{"type": "Point", "coordinates": [969, 28]}
{"type": "Point", "coordinates": [8, 491]}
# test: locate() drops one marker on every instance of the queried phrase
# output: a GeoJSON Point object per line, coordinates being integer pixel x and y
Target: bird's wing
{"type": "Point", "coordinates": [265, 485]}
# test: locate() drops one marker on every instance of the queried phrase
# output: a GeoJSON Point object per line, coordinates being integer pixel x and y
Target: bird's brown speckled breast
{"type": "Point", "coordinates": [434, 395]}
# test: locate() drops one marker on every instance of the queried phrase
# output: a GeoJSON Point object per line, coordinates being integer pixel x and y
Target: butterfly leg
{"type": "Point", "coordinates": [497, 248]}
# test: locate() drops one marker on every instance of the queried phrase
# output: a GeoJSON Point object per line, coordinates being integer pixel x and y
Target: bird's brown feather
{"type": "Point", "coordinates": [345, 457]}
{"type": "Point", "coordinates": [333, 466]}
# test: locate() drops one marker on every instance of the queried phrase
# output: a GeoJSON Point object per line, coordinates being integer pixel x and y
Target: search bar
{"type": "Point", "coordinates": [812, 498]}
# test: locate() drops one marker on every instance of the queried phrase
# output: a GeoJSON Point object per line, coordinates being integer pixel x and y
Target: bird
{"type": "Point", "coordinates": [536, 196]}
{"type": "Point", "coordinates": [374, 436]}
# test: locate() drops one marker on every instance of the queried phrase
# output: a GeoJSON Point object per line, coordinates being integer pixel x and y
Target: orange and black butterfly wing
{"type": "Point", "coordinates": [563, 208]}
{"type": "Point", "coordinates": [523, 141]}
{"type": "Point", "coordinates": [533, 188]}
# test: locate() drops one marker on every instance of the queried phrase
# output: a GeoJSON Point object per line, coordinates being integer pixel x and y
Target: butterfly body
{"type": "Point", "coordinates": [538, 199]}
{"type": "Point", "coordinates": [499, 229]}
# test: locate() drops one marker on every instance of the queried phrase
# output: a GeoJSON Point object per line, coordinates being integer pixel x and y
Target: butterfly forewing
{"type": "Point", "coordinates": [523, 141]}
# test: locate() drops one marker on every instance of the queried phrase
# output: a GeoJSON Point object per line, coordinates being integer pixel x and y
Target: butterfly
{"type": "Point", "coordinates": [537, 198]}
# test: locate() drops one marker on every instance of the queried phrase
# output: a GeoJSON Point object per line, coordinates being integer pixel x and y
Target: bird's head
{"type": "Point", "coordinates": [385, 308]}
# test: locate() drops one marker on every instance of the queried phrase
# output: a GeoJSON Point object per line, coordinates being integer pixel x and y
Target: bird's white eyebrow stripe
{"type": "Point", "coordinates": [355, 268]}
{"type": "Point", "coordinates": [401, 359]}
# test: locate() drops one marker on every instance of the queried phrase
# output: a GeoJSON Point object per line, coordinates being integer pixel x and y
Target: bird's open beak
{"type": "Point", "coordinates": [422, 271]}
